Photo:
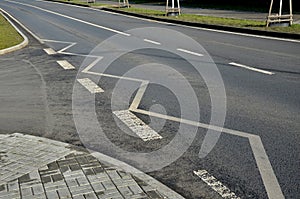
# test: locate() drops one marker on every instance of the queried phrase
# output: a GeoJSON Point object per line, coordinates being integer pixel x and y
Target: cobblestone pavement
{"type": "Point", "coordinates": [33, 167]}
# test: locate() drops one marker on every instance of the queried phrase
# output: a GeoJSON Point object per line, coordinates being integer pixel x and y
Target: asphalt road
{"type": "Point", "coordinates": [260, 105]}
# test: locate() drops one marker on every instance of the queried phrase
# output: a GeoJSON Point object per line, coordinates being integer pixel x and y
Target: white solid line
{"type": "Point", "coordinates": [49, 51]}
{"type": "Point", "coordinates": [73, 18]}
{"type": "Point", "coordinates": [251, 68]}
{"type": "Point", "coordinates": [152, 42]}
{"type": "Point", "coordinates": [137, 125]}
{"type": "Point", "coordinates": [263, 163]}
{"type": "Point", "coordinates": [90, 85]}
{"type": "Point", "coordinates": [139, 95]}
{"type": "Point", "coordinates": [216, 185]}
{"type": "Point", "coordinates": [86, 70]}
{"type": "Point", "coordinates": [265, 168]}
{"type": "Point", "coordinates": [65, 64]}
{"type": "Point", "coordinates": [190, 52]}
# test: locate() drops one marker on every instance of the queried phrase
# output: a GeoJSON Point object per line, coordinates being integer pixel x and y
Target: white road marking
{"type": "Point", "coordinates": [215, 184]}
{"type": "Point", "coordinates": [152, 42]}
{"type": "Point", "coordinates": [90, 85]}
{"type": "Point", "coordinates": [251, 68]}
{"type": "Point", "coordinates": [73, 18]}
{"type": "Point", "coordinates": [190, 52]}
{"type": "Point", "coordinates": [262, 160]}
{"type": "Point", "coordinates": [137, 125]}
{"type": "Point", "coordinates": [139, 95]}
{"type": "Point", "coordinates": [65, 64]}
{"type": "Point", "coordinates": [49, 51]}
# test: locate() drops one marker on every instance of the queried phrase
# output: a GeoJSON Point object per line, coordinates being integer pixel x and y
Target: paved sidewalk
{"type": "Point", "coordinates": [34, 167]}
{"type": "Point", "coordinates": [209, 12]}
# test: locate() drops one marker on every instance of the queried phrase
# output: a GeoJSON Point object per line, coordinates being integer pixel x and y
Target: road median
{"type": "Point", "coordinates": [11, 38]}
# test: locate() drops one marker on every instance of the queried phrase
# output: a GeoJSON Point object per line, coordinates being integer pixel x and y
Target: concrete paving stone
{"type": "Point", "coordinates": [57, 177]}
{"type": "Point", "coordinates": [122, 183]}
{"type": "Point", "coordinates": [38, 189]}
{"type": "Point", "coordinates": [78, 197]}
{"type": "Point", "coordinates": [136, 189]}
{"type": "Point", "coordinates": [90, 196]}
{"type": "Point", "coordinates": [75, 167]}
{"type": "Point", "coordinates": [71, 183]}
{"type": "Point", "coordinates": [26, 191]}
{"type": "Point", "coordinates": [97, 187]}
{"type": "Point", "coordinates": [82, 181]}
{"type": "Point", "coordinates": [52, 194]}
{"type": "Point", "coordinates": [125, 191]}
{"type": "Point", "coordinates": [154, 195]}
{"type": "Point", "coordinates": [64, 193]}
{"type": "Point", "coordinates": [113, 174]}
{"type": "Point", "coordinates": [108, 185]}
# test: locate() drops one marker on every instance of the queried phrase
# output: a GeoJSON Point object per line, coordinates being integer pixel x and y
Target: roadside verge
{"type": "Point", "coordinates": [18, 46]}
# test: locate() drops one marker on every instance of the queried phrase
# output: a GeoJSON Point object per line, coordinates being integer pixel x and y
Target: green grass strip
{"type": "Point", "coordinates": [8, 35]}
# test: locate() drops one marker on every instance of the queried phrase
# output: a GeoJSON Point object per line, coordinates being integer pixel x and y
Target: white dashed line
{"type": "Point", "coordinates": [90, 85]}
{"type": "Point", "coordinates": [137, 126]}
{"type": "Point", "coordinates": [49, 51]}
{"type": "Point", "coordinates": [152, 42]}
{"type": "Point", "coordinates": [251, 68]}
{"type": "Point", "coordinates": [65, 64]}
{"type": "Point", "coordinates": [215, 184]}
{"type": "Point", "coordinates": [190, 52]}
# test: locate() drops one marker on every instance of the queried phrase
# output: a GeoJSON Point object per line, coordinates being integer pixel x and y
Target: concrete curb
{"type": "Point", "coordinates": [211, 26]}
{"type": "Point", "coordinates": [18, 46]}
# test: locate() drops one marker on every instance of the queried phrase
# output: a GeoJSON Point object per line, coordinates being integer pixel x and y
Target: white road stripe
{"type": "Point", "coordinates": [137, 126]}
{"type": "Point", "coordinates": [190, 52]}
{"type": "Point", "coordinates": [65, 64]}
{"type": "Point", "coordinates": [215, 184]}
{"type": "Point", "coordinates": [72, 18]}
{"type": "Point", "coordinates": [90, 85]}
{"type": "Point", "coordinates": [152, 42]}
{"type": "Point", "coordinates": [49, 51]}
{"type": "Point", "coordinates": [251, 68]}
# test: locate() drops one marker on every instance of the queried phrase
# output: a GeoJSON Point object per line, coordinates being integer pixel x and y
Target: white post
{"type": "Point", "coordinates": [280, 8]}
{"type": "Point", "coordinates": [173, 6]}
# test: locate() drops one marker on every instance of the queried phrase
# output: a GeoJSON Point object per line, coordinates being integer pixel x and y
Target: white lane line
{"type": "Point", "coordinates": [139, 95]}
{"type": "Point", "coordinates": [251, 68]}
{"type": "Point", "coordinates": [262, 160]}
{"type": "Point", "coordinates": [90, 85]}
{"type": "Point", "coordinates": [152, 42]}
{"type": "Point", "coordinates": [190, 52]}
{"type": "Point", "coordinates": [137, 125]}
{"type": "Point", "coordinates": [215, 184]}
{"type": "Point", "coordinates": [265, 168]}
{"type": "Point", "coordinates": [49, 51]}
{"type": "Point", "coordinates": [65, 64]}
{"type": "Point", "coordinates": [73, 18]}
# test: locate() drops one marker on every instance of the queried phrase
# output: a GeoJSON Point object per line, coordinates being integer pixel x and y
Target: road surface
{"type": "Point", "coordinates": [254, 80]}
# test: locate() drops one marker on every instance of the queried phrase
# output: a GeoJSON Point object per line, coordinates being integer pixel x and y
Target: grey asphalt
{"type": "Point", "coordinates": [264, 105]}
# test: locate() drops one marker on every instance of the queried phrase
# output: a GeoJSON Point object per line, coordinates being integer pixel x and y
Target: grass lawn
{"type": "Point", "coordinates": [8, 35]}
